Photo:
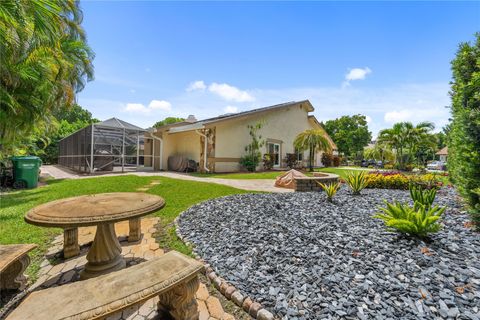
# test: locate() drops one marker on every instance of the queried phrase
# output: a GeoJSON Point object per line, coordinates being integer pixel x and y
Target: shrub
{"type": "Point", "coordinates": [330, 189]}
{"type": "Point", "coordinates": [388, 166]}
{"type": "Point", "coordinates": [268, 161]}
{"type": "Point", "coordinates": [336, 161]}
{"type": "Point", "coordinates": [416, 221]}
{"type": "Point", "coordinates": [357, 181]}
{"type": "Point", "coordinates": [327, 159]}
{"type": "Point", "coordinates": [291, 160]}
{"type": "Point", "coordinates": [422, 196]}
{"type": "Point", "coordinates": [464, 136]}
{"type": "Point", "coordinates": [250, 162]}
{"type": "Point", "coordinates": [387, 180]}
{"type": "Point", "coordinates": [397, 180]}
{"type": "Point", "coordinates": [427, 181]}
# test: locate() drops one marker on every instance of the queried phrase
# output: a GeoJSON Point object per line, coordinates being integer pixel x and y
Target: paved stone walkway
{"type": "Point", "coordinates": [266, 185]}
{"type": "Point", "coordinates": [65, 271]}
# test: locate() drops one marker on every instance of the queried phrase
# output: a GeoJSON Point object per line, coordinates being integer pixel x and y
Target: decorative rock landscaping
{"type": "Point", "coordinates": [302, 257]}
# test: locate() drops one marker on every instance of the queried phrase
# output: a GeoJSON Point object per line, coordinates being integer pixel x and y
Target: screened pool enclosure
{"type": "Point", "coordinates": [111, 145]}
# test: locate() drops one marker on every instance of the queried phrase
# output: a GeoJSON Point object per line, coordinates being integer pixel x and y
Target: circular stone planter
{"type": "Point", "coordinates": [306, 184]}
{"type": "Point", "coordinates": [303, 257]}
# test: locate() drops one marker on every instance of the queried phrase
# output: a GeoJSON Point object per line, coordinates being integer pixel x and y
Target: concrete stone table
{"type": "Point", "coordinates": [101, 210]}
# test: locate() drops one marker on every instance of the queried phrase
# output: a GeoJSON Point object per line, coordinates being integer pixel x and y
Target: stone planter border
{"type": "Point", "coordinates": [250, 306]}
{"type": "Point", "coordinates": [308, 184]}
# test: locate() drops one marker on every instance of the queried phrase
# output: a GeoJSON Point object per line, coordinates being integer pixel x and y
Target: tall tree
{"type": "Point", "coordinates": [168, 120]}
{"type": "Point", "coordinates": [44, 61]}
{"type": "Point", "coordinates": [68, 120]}
{"type": "Point", "coordinates": [312, 140]}
{"type": "Point", "coordinates": [464, 136]}
{"type": "Point", "coordinates": [406, 140]}
{"type": "Point", "coordinates": [350, 133]}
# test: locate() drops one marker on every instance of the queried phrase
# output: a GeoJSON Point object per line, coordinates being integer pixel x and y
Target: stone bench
{"type": "Point", "coordinates": [172, 277]}
{"type": "Point", "coordinates": [14, 260]}
{"type": "Point", "coordinates": [308, 184]}
{"type": "Point", "coordinates": [71, 248]}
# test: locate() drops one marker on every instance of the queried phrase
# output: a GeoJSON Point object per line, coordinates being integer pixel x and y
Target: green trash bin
{"type": "Point", "coordinates": [25, 171]}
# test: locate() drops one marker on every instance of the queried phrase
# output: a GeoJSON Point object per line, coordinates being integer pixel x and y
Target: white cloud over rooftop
{"type": "Point", "coordinates": [230, 93]}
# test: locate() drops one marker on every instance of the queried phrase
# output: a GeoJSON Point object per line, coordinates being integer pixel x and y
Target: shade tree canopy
{"type": "Point", "coordinates": [350, 133]}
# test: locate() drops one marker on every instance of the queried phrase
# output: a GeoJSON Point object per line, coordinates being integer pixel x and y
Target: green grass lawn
{"type": "Point", "coordinates": [178, 194]}
{"type": "Point", "coordinates": [266, 175]}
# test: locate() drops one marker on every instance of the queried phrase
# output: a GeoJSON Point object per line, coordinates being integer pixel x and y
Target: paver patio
{"type": "Point", "coordinates": [65, 271]}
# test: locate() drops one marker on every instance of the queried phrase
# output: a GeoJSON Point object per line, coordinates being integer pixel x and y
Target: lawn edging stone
{"type": "Point", "coordinates": [251, 307]}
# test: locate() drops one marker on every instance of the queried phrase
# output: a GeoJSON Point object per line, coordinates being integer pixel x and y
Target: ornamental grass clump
{"type": "Point", "coordinates": [422, 196]}
{"type": "Point", "coordinates": [416, 221]}
{"type": "Point", "coordinates": [330, 189]}
{"type": "Point", "coordinates": [357, 181]}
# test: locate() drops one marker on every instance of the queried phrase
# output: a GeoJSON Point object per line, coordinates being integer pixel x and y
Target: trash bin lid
{"type": "Point", "coordinates": [17, 158]}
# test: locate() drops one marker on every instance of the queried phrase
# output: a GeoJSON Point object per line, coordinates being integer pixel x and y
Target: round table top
{"type": "Point", "coordinates": [94, 209]}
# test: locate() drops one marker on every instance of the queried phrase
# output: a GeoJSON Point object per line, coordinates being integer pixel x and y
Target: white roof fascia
{"type": "Point", "coordinates": [190, 127]}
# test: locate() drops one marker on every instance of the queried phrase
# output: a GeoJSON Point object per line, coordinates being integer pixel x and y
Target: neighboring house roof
{"type": "Point", "coordinates": [201, 124]}
{"type": "Point", "coordinates": [443, 152]}
{"type": "Point", "coordinates": [118, 124]}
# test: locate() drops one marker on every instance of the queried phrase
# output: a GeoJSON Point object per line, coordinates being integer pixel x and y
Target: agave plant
{"type": "Point", "coordinates": [330, 189]}
{"type": "Point", "coordinates": [416, 221]}
{"type": "Point", "coordinates": [422, 196]}
{"type": "Point", "coordinates": [357, 181]}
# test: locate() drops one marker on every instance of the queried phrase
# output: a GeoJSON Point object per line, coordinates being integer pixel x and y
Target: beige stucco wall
{"type": "Point", "coordinates": [281, 125]}
{"type": "Point", "coordinates": [185, 144]}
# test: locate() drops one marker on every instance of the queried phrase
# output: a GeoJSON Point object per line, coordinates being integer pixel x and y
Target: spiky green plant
{"type": "Point", "coordinates": [357, 181]}
{"type": "Point", "coordinates": [422, 196]}
{"type": "Point", "coordinates": [330, 189]}
{"type": "Point", "coordinates": [416, 220]}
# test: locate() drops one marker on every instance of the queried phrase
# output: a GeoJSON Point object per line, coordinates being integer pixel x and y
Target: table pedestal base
{"type": "Point", "coordinates": [105, 254]}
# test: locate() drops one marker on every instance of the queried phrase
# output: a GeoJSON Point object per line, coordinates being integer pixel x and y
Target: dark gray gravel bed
{"type": "Point", "coordinates": [305, 258]}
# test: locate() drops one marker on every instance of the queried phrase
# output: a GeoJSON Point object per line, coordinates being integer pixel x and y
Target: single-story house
{"type": "Point", "coordinates": [227, 135]}
{"type": "Point", "coordinates": [443, 154]}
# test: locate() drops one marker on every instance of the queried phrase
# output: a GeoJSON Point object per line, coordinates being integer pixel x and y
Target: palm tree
{"type": "Point", "coordinates": [44, 62]}
{"type": "Point", "coordinates": [314, 140]}
{"type": "Point", "coordinates": [405, 138]}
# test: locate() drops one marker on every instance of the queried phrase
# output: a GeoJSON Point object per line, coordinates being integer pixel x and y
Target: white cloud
{"type": "Point", "coordinates": [357, 74]}
{"type": "Point", "coordinates": [152, 106]}
{"type": "Point", "coordinates": [368, 119]}
{"type": "Point", "coordinates": [230, 93]}
{"type": "Point", "coordinates": [160, 105]}
{"type": "Point", "coordinates": [397, 116]}
{"type": "Point", "coordinates": [197, 85]}
{"type": "Point", "coordinates": [230, 109]}
{"type": "Point", "coordinates": [136, 107]}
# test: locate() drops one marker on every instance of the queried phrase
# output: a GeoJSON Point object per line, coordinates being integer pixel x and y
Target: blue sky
{"type": "Point", "coordinates": [387, 60]}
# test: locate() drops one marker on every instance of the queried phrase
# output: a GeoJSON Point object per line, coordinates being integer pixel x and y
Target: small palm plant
{"type": "Point", "coordinates": [422, 196]}
{"type": "Point", "coordinates": [357, 181]}
{"type": "Point", "coordinates": [416, 221]}
{"type": "Point", "coordinates": [330, 189]}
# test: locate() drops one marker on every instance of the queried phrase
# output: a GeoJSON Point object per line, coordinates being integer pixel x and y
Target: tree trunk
{"type": "Point", "coordinates": [310, 160]}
